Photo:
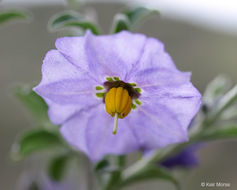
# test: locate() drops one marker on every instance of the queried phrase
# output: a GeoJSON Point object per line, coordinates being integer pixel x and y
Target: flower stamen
{"type": "Point", "coordinates": [115, 123]}
{"type": "Point", "coordinates": [118, 104]}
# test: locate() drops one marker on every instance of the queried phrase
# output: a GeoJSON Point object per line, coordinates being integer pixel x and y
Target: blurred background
{"type": "Point", "coordinates": [201, 37]}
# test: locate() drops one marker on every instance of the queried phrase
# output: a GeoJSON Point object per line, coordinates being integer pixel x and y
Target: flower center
{"type": "Point", "coordinates": [118, 104]}
{"type": "Point", "coordinates": [118, 98]}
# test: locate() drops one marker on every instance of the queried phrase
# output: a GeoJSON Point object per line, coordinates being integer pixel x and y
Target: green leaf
{"type": "Point", "coordinates": [121, 161]}
{"type": "Point", "coordinates": [215, 89]}
{"type": "Point", "coordinates": [61, 18]}
{"type": "Point", "coordinates": [101, 165]}
{"type": "Point", "coordinates": [113, 181]}
{"type": "Point", "coordinates": [227, 100]}
{"type": "Point", "coordinates": [151, 172]}
{"type": "Point", "coordinates": [219, 133]}
{"type": "Point", "coordinates": [34, 103]}
{"type": "Point", "coordinates": [57, 166]}
{"type": "Point", "coordinates": [223, 104]}
{"type": "Point", "coordinates": [139, 13]}
{"type": "Point", "coordinates": [71, 19]}
{"type": "Point", "coordinates": [120, 22]}
{"type": "Point", "coordinates": [12, 15]}
{"type": "Point", "coordinates": [35, 140]}
{"type": "Point", "coordinates": [83, 25]}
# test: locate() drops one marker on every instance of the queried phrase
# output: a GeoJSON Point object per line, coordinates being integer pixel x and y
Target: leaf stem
{"type": "Point", "coordinates": [156, 157]}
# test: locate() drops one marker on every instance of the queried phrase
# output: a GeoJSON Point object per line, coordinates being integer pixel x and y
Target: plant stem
{"type": "Point", "coordinates": [156, 157]}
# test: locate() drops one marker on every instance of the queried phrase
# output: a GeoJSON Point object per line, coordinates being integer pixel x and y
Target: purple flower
{"type": "Point", "coordinates": [94, 84]}
{"type": "Point", "coordinates": [186, 158]}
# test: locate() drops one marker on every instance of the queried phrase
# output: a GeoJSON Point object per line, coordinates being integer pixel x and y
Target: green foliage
{"type": "Point", "coordinates": [58, 166]}
{"type": "Point", "coordinates": [83, 25]}
{"type": "Point", "coordinates": [113, 181]}
{"type": "Point", "coordinates": [71, 19]}
{"type": "Point", "coordinates": [12, 15]}
{"type": "Point", "coordinates": [129, 18]}
{"type": "Point", "coordinates": [139, 13]}
{"type": "Point", "coordinates": [64, 17]}
{"type": "Point", "coordinates": [219, 102]}
{"type": "Point", "coordinates": [101, 165]}
{"type": "Point", "coordinates": [226, 101]}
{"type": "Point", "coordinates": [34, 103]}
{"type": "Point", "coordinates": [215, 89]}
{"type": "Point", "coordinates": [151, 172]}
{"type": "Point", "coordinates": [219, 133]}
{"type": "Point", "coordinates": [120, 23]}
{"type": "Point", "coordinates": [121, 162]}
{"type": "Point", "coordinates": [35, 140]}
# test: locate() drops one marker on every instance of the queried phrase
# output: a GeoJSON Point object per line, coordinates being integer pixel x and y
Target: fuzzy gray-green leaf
{"type": "Point", "coordinates": [12, 15]}
{"type": "Point", "coordinates": [33, 102]}
{"type": "Point", "coordinates": [120, 22]}
{"type": "Point", "coordinates": [139, 13]}
{"type": "Point", "coordinates": [35, 140]}
{"type": "Point", "coordinates": [60, 19]}
{"type": "Point", "coordinates": [58, 165]}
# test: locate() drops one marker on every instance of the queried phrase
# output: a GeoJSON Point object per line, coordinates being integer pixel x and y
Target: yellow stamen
{"type": "Point", "coordinates": [118, 103]}
{"type": "Point", "coordinates": [110, 101]}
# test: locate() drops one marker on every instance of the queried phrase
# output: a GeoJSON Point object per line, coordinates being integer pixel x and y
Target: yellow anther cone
{"type": "Point", "coordinates": [110, 101]}
{"type": "Point", "coordinates": [118, 103]}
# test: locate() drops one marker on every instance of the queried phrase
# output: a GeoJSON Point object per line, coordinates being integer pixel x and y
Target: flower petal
{"type": "Point", "coordinates": [56, 68]}
{"type": "Point", "coordinates": [69, 91]}
{"type": "Point", "coordinates": [74, 131]}
{"type": "Point", "coordinates": [65, 88]}
{"type": "Point", "coordinates": [73, 50]}
{"type": "Point", "coordinates": [153, 56]}
{"type": "Point", "coordinates": [96, 139]}
{"type": "Point", "coordinates": [156, 68]}
{"type": "Point", "coordinates": [154, 78]}
{"type": "Point", "coordinates": [183, 101]}
{"type": "Point", "coordinates": [113, 55]}
{"type": "Point", "coordinates": [155, 126]}
{"type": "Point", "coordinates": [101, 56]}
{"type": "Point", "coordinates": [59, 113]}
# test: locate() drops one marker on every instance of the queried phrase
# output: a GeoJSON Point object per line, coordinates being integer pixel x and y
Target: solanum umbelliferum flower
{"type": "Point", "coordinates": [118, 93]}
